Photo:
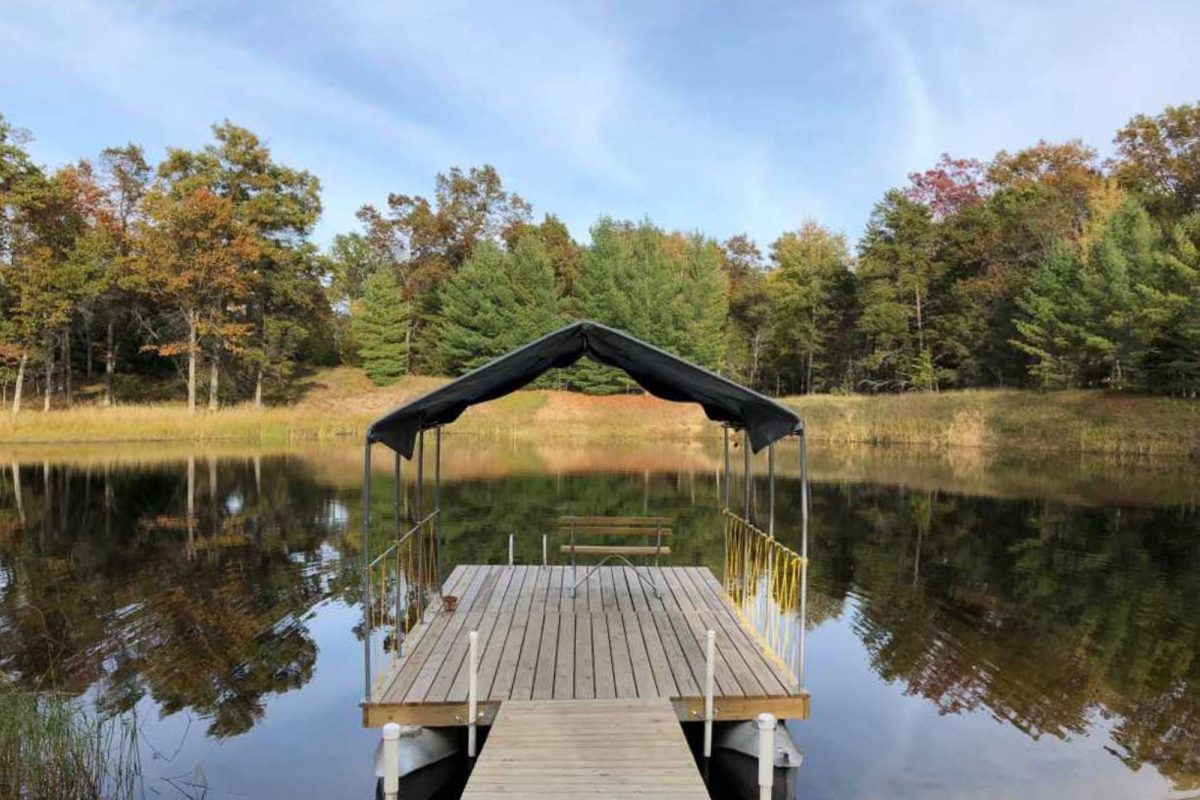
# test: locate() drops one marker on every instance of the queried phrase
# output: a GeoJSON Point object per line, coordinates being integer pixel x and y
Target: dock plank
{"type": "Point", "coordinates": [619, 749]}
{"type": "Point", "coordinates": [514, 676]}
{"type": "Point", "coordinates": [449, 636]}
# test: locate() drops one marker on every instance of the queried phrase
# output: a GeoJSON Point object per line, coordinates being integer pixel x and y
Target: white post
{"type": "Point", "coordinates": [391, 761]}
{"type": "Point", "coordinates": [511, 537]}
{"type": "Point", "coordinates": [710, 645]}
{"type": "Point", "coordinates": [545, 561]}
{"type": "Point", "coordinates": [472, 692]}
{"type": "Point", "coordinates": [766, 755]}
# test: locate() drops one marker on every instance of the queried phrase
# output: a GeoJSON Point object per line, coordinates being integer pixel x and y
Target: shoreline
{"type": "Point", "coordinates": [1088, 422]}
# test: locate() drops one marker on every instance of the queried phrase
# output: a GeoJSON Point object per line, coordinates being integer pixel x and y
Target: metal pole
{"type": "Point", "coordinates": [803, 553]}
{"type": "Point", "coordinates": [391, 761]}
{"type": "Point", "coordinates": [511, 538]}
{"type": "Point", "coordinates": [771, 490]}
{"type": "Point", "coordinates": [766, 755]}
{"type": "Point", "coordinates": [422, 578]}
{"type": "Point", "coordinates": [472, 691]}
{"type": "Point", "coordinates": [545, 561]}
{"type": "Point", "coordinates": [437, 500]}
{"type": "Point", "coordinates": [398, 487]}
{"type": "Point", "coordinates": [366, 572]}
{"type": "Point", "coordinates": [726, 492]}
{"type": "Point", "coordinates": [398, 491]}
{"type": "Point", "coordinates": [749, 467]}
{"type": "Point", "coordinates": [710, 646]}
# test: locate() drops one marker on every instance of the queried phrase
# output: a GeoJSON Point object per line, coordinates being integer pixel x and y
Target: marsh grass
{"type": "Point", "coordinates": [51, 747]}
{"type": "Point", "coordinates": [1065, 422]}
{"type": "Point", "coordinates": [340, 403]}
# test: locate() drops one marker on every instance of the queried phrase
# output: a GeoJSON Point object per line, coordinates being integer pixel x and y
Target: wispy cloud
{"type": "Point", "coordinates": [701, 116]}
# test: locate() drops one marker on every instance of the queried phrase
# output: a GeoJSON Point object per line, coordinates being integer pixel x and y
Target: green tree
{"type": "Point", "coordinates": [1050, 326]}
{"type": "Point", "coordinates": [811, 265]}
{"type": "Point", "coordinates": [353, 259]}
{"type": "Point", "coordinates": [898, 268]}
{"type": "Point", "coordinates": [667, 289]}
{"type": "Point", "coordinates": [426, 242]}
{"type": "Point", "coordinates": [1088, 316]}
{"type": "Point", "coordinates": [750, 308]}
{"type": "Point", "coordinates": [561, 249]}
{"type": "Point", "coordinates": [381, 329]}
{"type": "Point", "coordinates": [498, 301]}
{"type": "Point", "coordinates": [1172, 363]}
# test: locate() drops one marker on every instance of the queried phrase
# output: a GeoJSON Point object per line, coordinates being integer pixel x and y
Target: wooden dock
{"type": "Point", "coordinates": [565, 749]}
{"type": "Point", "coordinates": [614, 640]}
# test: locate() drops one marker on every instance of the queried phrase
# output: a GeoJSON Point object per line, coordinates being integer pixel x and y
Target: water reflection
{"type": "Point", "coordinates": [222, 587]}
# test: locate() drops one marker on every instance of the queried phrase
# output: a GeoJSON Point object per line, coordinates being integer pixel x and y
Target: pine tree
{"type": "Point", "coordinates": [498, 301]}
{"type": "Point", "coordinates": [381, 329]}
{"type": "Point", "coordinates": [1050, 328]}
{"type": "Point", "coordinates": [1088, 318]}
{"type": "Point", "coordinates": [1172, 361]}
{"type": "Point", "coordinates": [668, 290]}
{"type": "Point", "coordinates": [898, 270]}
{"type": "Point", "coordinates": [811, 265]}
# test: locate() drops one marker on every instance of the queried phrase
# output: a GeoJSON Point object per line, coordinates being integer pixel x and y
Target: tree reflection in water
{"type": "Point", "coordinates": [1049, 616]}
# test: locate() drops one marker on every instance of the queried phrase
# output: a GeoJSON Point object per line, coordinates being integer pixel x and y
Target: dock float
{"type": "Point", "coordinates": [614, 748]}
{"type": "Point", "coordinates": [617, 638]}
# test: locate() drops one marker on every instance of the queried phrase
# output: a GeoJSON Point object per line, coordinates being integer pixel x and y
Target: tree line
{"type": "Point", "coordinates": [1047, 267]}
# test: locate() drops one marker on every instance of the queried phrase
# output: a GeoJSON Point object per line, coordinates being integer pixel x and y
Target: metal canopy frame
{"type": "Point", "coordinates": [748, 514]}
{"type": "Point", "coordinates": [398, 520]}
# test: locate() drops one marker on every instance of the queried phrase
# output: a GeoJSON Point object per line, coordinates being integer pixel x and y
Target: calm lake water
{"type": "Point", "coordinates": [982, 627]}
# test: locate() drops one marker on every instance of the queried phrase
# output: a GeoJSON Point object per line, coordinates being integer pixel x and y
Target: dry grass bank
{"type": "Point", "coordinates": [1069, 422]}
{"type": "Point", "coordinates": [341, 402]}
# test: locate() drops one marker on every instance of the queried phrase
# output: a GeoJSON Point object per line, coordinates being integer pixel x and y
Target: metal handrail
{"type": "Point", "coordinates": [404, 536]}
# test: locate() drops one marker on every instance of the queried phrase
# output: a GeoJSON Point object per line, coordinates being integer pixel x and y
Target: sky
{"type": "Point", "coordinates": [720, 117]}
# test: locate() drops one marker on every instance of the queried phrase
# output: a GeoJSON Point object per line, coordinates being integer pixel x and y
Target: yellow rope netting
{"type": "Point", "coordinates": [765, 581]}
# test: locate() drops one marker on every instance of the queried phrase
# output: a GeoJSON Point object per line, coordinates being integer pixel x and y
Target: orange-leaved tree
{"type": "Point", "coordinates": [193, 257]}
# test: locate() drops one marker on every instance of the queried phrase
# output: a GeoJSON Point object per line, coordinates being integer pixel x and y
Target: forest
{"type": "Point", "coordinates": [1048, 267]}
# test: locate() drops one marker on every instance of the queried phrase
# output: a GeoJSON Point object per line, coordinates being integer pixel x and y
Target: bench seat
{"type": "Point", "coordinates": [614, 550]}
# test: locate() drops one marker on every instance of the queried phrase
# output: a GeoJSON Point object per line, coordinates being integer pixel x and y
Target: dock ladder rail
{"type": "Point", "coordinates": [657, 527]}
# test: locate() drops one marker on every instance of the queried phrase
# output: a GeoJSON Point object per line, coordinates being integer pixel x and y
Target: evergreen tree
{"type": "Point", "coordinates": [750, 309]}
{"type": "Point", "coordinates": [1172, 363]}
{"type": "Point", "coordinates": [1085, 318]}
{"type": "Point", "coordinates": [898, 268]}
{"type": "Point", "coordinates": [812, 264]}
{"type": "Point", "coordinates": [665, 289]}
{"type": "Point", "coordinates": [1050, 326]}
{"type": "Point", "coordinates": [381, 329]}
{"type": "Point", "coordinates": [498, 301]}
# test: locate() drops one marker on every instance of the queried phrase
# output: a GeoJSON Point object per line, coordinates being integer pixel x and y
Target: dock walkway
{"type": "Point", "coordinates": [586, 748]}
{"type": "Point", "coordinates": [614, 640]}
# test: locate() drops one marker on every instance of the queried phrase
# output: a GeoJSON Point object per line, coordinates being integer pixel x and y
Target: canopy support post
{"type": "Point", "coordinates": [771, 490]}
{"type": "Point", "coordinates": [803, 553]}
{"type": "Point", "coordinates": [726, 494]}
{"type": "Point", "coordinates": [422, 578]}
{"type": "Point", "coordinates": [396, 519]}
{"type": "Point", "coordinates": [437, 502]}
{"type": "Point", "coordinates": [397, 492]}
{"type": "Point", "coordinates": [747, 504]}
{"type": "Point", "coordinates": [366, 572]}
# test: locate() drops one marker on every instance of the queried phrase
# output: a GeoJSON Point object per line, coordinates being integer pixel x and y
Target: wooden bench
{"type": "Point", "coordinates": [656, 528]}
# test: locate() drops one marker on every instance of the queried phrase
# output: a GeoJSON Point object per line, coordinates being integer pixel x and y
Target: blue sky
{"type": "Point", "coordinates": [715, 116]}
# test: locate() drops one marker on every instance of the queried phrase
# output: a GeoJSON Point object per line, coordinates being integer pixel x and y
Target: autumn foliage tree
{"type": "Point", "coordinates": [194, 259]}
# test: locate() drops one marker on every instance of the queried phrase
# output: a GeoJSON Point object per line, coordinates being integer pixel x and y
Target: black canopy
{"type": "Point", "coordinates": [655, 370]}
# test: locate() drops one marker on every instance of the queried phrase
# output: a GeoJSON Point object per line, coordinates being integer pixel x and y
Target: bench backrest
{"type": "Point", "coordinates": [650, 527]}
